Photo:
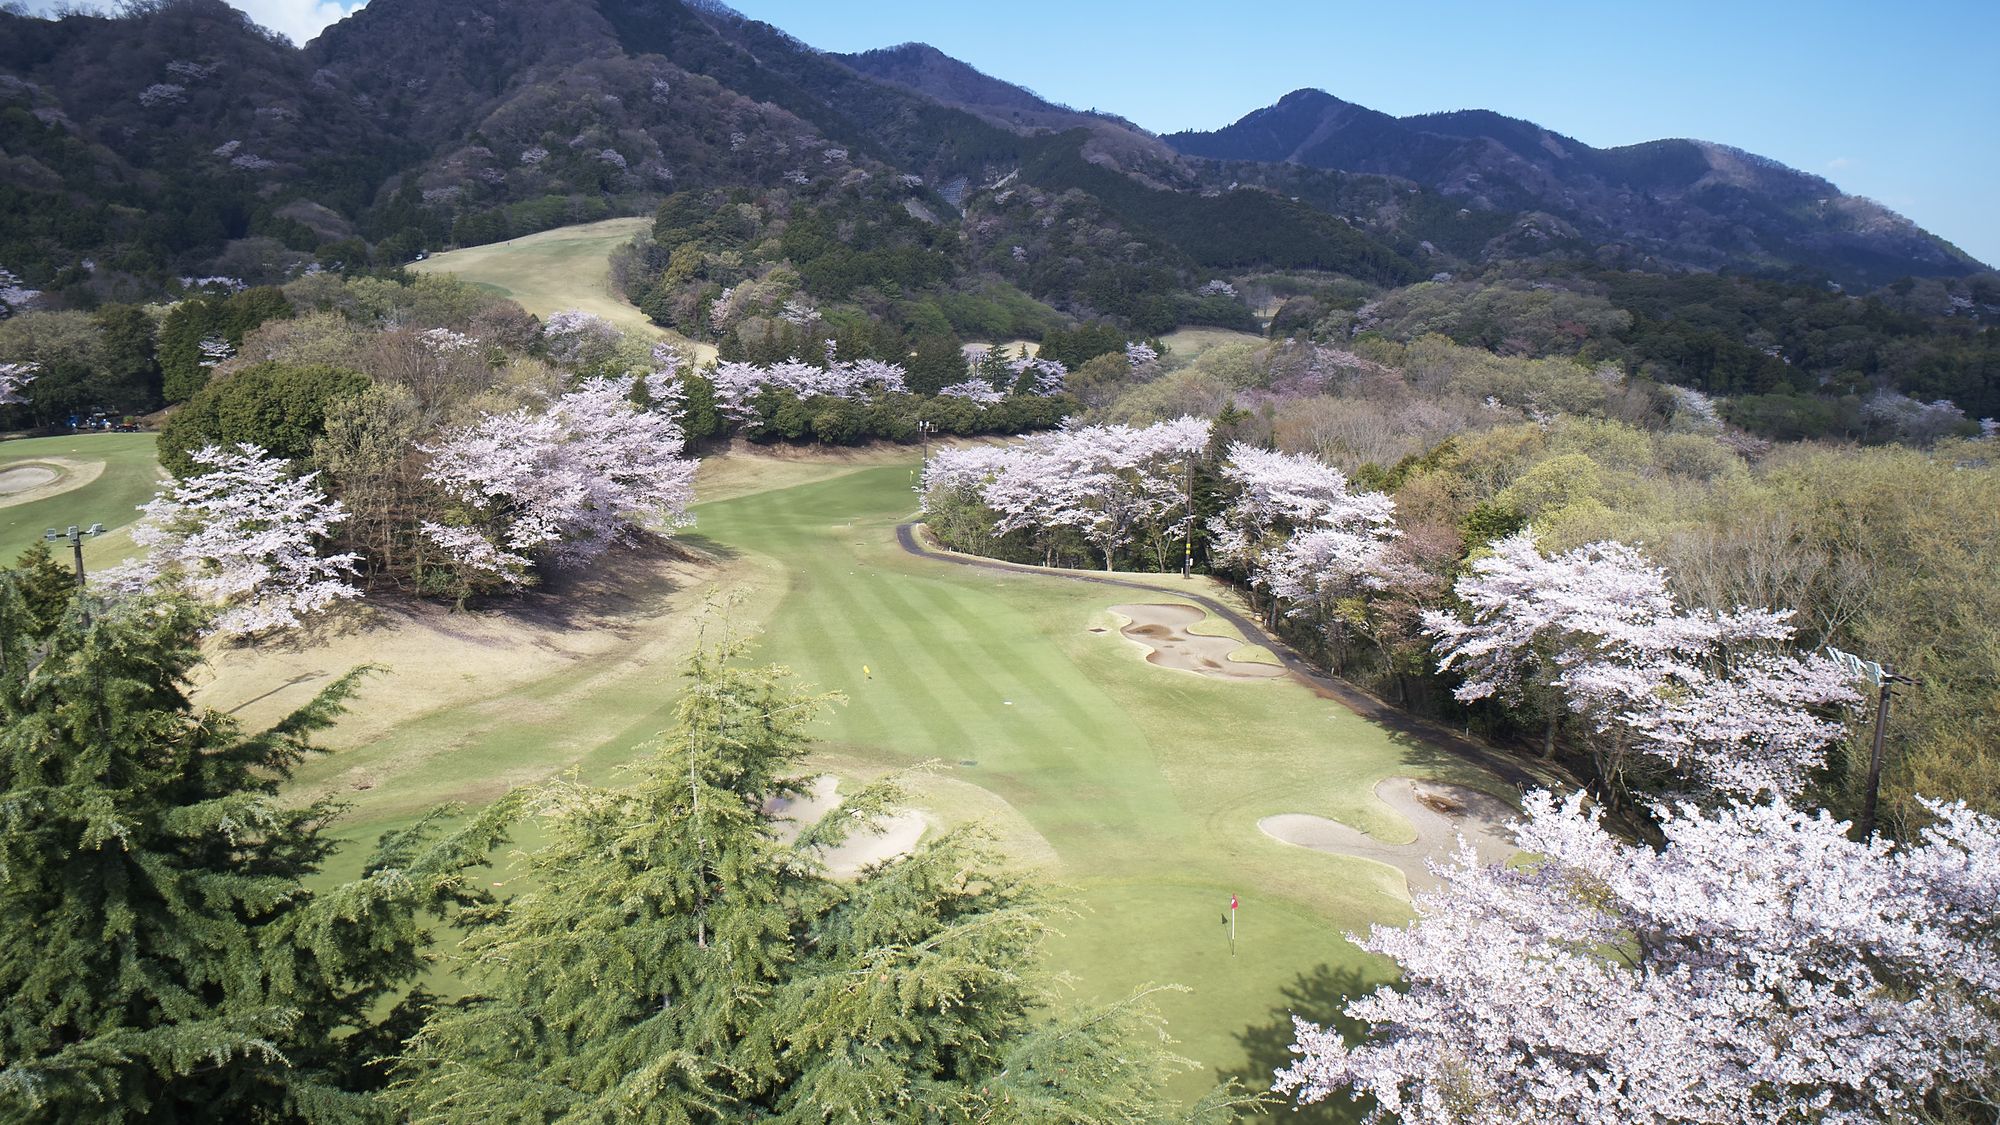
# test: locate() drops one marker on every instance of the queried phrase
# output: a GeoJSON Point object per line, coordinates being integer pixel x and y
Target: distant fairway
{"type": "Point", "coordinates": [1189, 343]}
{"type": "Point", "coordinates": [1138, 786]}
{"type": "Point", "coordinates": [128, 478]}
{"type": "Point", "coordinates": [565, 268]}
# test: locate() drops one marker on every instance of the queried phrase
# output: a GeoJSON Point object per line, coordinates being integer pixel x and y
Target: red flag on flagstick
{"type": "Point", "coordinates": [1232, 902]}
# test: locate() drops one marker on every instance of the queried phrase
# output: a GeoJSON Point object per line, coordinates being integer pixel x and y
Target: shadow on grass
{"type": "Point", "coordinates": [695, 545]}
{"type": "Point", "coordinates": [609, 594]}
{"type": "Point", "coordinates": [1427, 759]}
{"type": "Point", "coordinates": [1317, 995]}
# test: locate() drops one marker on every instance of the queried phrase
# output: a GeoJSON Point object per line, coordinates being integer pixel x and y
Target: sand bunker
{"type": "Point", "coordinates": [1440, 813]}
{"type": "Point", "coordinates": [28, 481]}
{"type": "Point", "coordinates": [1164, 630]}
{"type": "Point", "coordinates": [25, 478]}
{"type": "Point", "coordinates": [894, 835]}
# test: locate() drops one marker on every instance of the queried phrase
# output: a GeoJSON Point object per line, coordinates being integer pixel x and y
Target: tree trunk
{"type": "Point", "coordinates": [1549, 739]}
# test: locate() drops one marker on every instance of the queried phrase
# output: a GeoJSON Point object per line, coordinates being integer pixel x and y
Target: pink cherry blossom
{"type": "Point", "coordinates": [1760, 967]}
{"type": "Point", "coordinates": [1713, 695]}
{"type": "Point", "coordinates": [244, 536]}
{"type": "Point", "coordinates": [973, 390]}
{"type": "Point", "coordinates": [737, 384]}
{"type": "Point", "coordinates": [564, 484]}
{"type": "Point", "coordinates": [1281, 495]}
{"type": "Point", "coordinates": [1108, 483]}
{"type": "Point", "coordinates": [14, 376]}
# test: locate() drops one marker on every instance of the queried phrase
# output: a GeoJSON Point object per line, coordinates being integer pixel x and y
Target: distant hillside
{"type": "Point", "coordinates": [1688, 202]}
{"type": "Point", "coordinates": [177, 139]}
{"type": "Point", "coordinates": [147, 144]}
{"type": "Point", "coordinates": [928, 71]}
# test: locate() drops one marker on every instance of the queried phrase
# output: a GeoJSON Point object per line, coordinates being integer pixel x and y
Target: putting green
{"type": "Point", "coordinates": [1136, 786]}
{"type": "Point", "coordinates": [130, 477]}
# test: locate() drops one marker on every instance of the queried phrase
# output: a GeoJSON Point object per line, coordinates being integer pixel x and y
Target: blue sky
{"type": "Point", "coordinates": [1895, 102]}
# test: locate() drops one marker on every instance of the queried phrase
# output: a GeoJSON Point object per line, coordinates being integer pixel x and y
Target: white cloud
{"type": "Point", "coordinates": [298, 20]}
{"type": "Point", "coordinates": [1839, 162]}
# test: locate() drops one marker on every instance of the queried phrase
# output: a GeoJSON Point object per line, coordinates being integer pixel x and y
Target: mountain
{"type": "Point", "coordinates": [925, 70]}
{"type": "Point", "coordinates": [929, 71]}
{"type": "Point", "coordinates": [179, 139]}
{"type": "Point", "coordinates": [1687, 202]}
{"type": "Point", "coordinates": [152, 141]}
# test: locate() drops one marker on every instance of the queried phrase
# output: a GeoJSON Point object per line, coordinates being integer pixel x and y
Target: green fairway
{"type": "Point", "coordinates": [129, 477]}
{"type": "Point", "coordinates": [565, 268]}
{"type": "Point", "coordinates": [1189, 344]}
{"type": "Point", "coordinates": [1146, 782]}
{"type": "Point", "coordinates": [1136, 786]}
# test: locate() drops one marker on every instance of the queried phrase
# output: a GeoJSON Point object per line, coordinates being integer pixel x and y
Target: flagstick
{"type": "Point", "coordinates": [1232, 925]}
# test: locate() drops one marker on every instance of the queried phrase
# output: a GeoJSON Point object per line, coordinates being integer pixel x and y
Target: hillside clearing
{"type": "Point", "coordinates": [1189, 344]}
{"type": "Point", "coordinates": [564, 268]}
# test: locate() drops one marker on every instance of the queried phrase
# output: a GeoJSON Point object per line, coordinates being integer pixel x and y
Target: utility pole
{"type": "Point", "coordinates": [924, 436]}
{"type": "Point", "coordinates": [75, 538]}
{"type": "Point", "coordinates": [1187, 560]}
{"type": "Point", "coordinates": [1869, 799]}
{"type": "Point", "coordinates": [1881, 677]}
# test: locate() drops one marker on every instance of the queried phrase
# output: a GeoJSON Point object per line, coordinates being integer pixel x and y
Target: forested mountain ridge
{"type": "Point", "coordinates": [180, 139]}
{"type": "Point", "coordinates": [1697, 203]}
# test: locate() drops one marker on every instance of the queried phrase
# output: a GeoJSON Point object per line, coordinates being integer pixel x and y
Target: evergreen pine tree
{"type": "Point", "coordinates": [992, 367]}
{"type": "Point", "coordinates": [160, 955]}
{"type": "Point", "coordinates": [45, 586]}
{"type": "Point", "coordinates": [676, 959]}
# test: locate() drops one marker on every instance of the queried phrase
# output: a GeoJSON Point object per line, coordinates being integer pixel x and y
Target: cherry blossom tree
{"type": "Point", "coordinates": [665, 392]}
{"type": "Point", "coordinates": [737, 384]}
{"type": "Point", "coordinates": [1277, 496]}
{"type": "Point", "coordinates": [1328, 574]}
{"type": "Point", "coordinates": [215, 350]}
{"type": "Point", "coordinates": [14, 376]}
{"type": "Point", "coordinates": [577, 338]}
{"type": "Point", "coordinates": [244, 536]}
{"type": "Point", "coordinates": [1733, 721]}
{"type": "Point", "coordinates": [1107, 483]}
{"type": "Point", "coordinates": [1596, 631]}
{"type": "Point", "coordinates": [973, 390]}
{"type": "Point", "coordinates": [970, 467]}
{"type": "Point", "coordinates": [1760, 967]}
{"type": "Point", "coordinates": [14, 293]}
{"type": "Point", "coordinates": [1036, 376]}
{"type": "Point", "coordinates": [566, 483]}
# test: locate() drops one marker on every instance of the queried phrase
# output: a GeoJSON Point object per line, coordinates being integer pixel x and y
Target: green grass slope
{"type": "Point", "coordinates": [553, 270]}
{"type": "Point", "coordinates": [130, 477]}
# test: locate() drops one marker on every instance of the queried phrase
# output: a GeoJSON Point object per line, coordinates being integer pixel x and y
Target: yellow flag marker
{"type": "Point", "coordinates": [866, 672]}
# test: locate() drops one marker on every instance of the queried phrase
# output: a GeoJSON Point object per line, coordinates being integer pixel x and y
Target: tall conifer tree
{"type": "Point", "coordinates": [161, 956]}
{"type": "Point", "coordinates": [676, 959]}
